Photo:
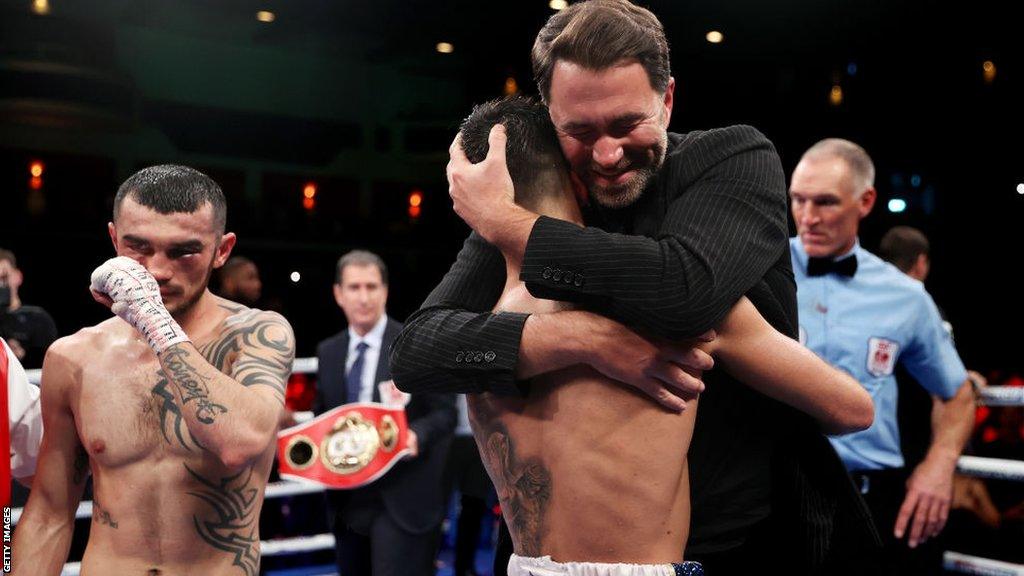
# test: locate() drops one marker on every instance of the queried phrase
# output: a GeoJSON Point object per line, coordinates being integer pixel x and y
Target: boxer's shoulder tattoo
{"type": "Point", "coordinates": [255, 348]}
{"type": "Point", "coordinates": [80, 468]}
{"type": "Point", "coordinates": [101, 516]}
{"type": "Point", "coordinates": [523, 486]}
{"type": "Point", "coordinates": [191, 383]}
{"type": "Point", "coordinates": [231, 522]}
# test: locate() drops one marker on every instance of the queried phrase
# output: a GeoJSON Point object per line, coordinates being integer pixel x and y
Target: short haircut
{"type": "Point", "coordinates": [531, 147]}
{"type": "Point", "coordinates": [361, 258]}
{"type": "Point", "coordinates": [856, 158]}
{"type": "Point", "coordinates": [8, 256]}
{"type": "Point", "coordinates": [170, 189]}
{"type": "Point", "coordinates": [902, 245]}
{"type": "Point", "coordinates": [599, 34]}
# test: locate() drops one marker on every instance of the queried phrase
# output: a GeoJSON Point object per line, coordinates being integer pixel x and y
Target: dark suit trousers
{"type": "Point", "coordinates": [884, 491]}
{"type": "Point", "coordinates": [370, 543]}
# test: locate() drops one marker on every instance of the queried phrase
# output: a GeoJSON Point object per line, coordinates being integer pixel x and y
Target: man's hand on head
{"type": "Point", "coordinates": [483, 196]}
{"type": "Point", "coordinates": [133, 294]}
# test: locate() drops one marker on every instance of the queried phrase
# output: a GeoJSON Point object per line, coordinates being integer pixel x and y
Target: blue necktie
{"type": "Point", "coordinates": [354, 379]}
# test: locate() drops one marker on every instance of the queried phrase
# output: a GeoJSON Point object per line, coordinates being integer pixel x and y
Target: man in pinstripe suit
{"type": "Point", "coordinates": [556, 454]}
{"type": "Point", "coordinates": [679, 227]}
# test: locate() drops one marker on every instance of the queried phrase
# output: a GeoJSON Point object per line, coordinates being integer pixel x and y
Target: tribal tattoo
{"type": "Point", "coordinates": [255, 348]}
{"type": "Point", "coordinates": [233, 525]}
{"type": "Point", "coordinates": [170, 413]}
{"type": "Point", "coordinates": [259, 347]}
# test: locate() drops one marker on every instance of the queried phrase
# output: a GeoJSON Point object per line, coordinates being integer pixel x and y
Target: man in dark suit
{"type": "Point", "coordinates": [390, 527]}
{"type": "Point", "coordinates": [679, 226]}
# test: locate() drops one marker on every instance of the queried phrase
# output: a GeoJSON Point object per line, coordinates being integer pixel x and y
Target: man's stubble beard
{"type": "Point", "coordinates": [182, 310]}
{"type": "Point", "coordinates": [627, 193]}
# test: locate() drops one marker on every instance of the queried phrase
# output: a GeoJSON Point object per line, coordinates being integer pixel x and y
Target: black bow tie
{"type": "Point", "coordinates": [821, 266]}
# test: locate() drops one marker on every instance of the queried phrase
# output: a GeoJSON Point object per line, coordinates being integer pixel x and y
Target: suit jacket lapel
{"type": "Point", "coordinates": [339, 356]}
{"type": "Point", "coordinates": [383, 369]}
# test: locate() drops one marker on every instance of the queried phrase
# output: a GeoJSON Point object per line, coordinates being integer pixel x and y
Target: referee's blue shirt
{"type": "Point", "coordinates": [864, 325]}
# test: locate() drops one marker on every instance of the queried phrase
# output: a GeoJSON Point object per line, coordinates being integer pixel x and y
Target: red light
{"type": "Point", "coordinates": [35, 183]}
{"type": "Point", "coordinates": [300, 392]}
{"type": "Point", "coordinates": [415, 198]}
{"type": "Point", "coordinates": [309, 191]}
{"type": "Point", "coordinates": [308, 203]}
{"type": "Point", "coordinates": [35, 168]}
{"type": "Point", "coordinates": [414, 211]}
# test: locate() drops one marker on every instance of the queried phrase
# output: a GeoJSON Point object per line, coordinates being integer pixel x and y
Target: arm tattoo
{"type": "Point", "coordinates": [257, 348]}
{"type": "Point", "coordinates": [81, 465]}
{"type": "Point", "coordinates": [191, 385]}
{"type": "Point", "coordinates": [232, 524]}
{"type": "Point", "coordinates": [102, 516]}
{"type": "Point", "coordinates": [523, 484]}
{"type": "Point", "coordinates": [165, 402]}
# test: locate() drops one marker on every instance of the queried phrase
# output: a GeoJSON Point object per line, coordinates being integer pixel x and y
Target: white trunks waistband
{"type": "Point", "coordinates": [545, 566]}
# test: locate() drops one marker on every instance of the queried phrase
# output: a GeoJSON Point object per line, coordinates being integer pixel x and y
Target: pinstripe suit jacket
{"type": "Point", "coordinates": [710, 228]}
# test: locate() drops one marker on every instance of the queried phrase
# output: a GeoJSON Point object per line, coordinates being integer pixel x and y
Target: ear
{"type": "Point", "coordinates": [921, 266]}
{"type": "Point", "coordinates": [15, 278]}
{"type": "Point", "coordinates": [227, 244]}
{"type": "Point", "coordinates": [867, 201]}
{"type": "Point", "coordinates": [112, 231]}
{"type": "Point", "coordinates": [669, 99]}
{"type": "Point", "coordinates": [337, 293]}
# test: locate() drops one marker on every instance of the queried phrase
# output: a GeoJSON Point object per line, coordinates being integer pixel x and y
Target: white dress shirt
{"type": "Point", "coordinates": [374, 340]}
{"type": "Point", "coordinates": [25, 415]}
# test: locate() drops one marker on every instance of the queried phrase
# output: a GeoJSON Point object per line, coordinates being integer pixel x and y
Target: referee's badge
{"type": "Point", "coordinates": [882, 355]}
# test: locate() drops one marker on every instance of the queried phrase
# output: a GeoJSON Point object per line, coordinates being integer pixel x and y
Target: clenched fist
{"type": "Point", "coordinates": [135, 297]}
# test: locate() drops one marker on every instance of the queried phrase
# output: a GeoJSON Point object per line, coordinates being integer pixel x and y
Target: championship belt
{"type": "Point", "coordinates": [347, 447]}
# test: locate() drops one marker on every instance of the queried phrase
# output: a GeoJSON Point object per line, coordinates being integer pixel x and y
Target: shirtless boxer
{"type": "Point", "coordinates": [592, 476]}
{"type": "Point", "coordinates": [173, 406]}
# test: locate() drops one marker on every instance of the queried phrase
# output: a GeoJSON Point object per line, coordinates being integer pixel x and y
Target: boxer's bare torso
{"type": "Point", "coordinates": [589, 470]}
{"type": "Point", "coordinates": [586, 469]}
{"type": "Point", "coordinates": [162, 504]}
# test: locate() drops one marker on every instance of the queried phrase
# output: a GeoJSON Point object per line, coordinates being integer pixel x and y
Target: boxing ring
{"type": "Point", "coordinates": [991, 468]}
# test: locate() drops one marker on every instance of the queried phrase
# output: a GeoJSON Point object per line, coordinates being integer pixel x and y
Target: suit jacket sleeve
{"type": "Point", "coordinates": [724, 227]}
{"type": "Point", "coordinates": [439, 345]}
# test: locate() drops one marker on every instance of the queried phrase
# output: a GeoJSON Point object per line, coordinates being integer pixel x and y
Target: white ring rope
{"type": "Point", "coordinates": [1001, 396]}
{"type": "Point", "coordinates": [964, 564]}
{"type": "Point", "coordinates": [995, 468]}
{"type": "Point", "coordinates": [275, 547]}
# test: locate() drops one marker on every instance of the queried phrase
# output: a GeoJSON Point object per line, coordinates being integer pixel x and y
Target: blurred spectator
{"type": "Point", "coordinates": [29, 330]}
{"type": "Point", "coordinates": [390, 527]}
{"type": "Point", "coordinates": [240, 281]}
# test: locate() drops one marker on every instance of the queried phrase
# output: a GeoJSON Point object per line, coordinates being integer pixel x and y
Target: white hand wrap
{"type": "Point", "coordinates": [136, 296]}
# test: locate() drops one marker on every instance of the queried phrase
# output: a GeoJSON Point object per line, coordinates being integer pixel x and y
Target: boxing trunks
{"type": "Point", "coordinates": [545, 566]}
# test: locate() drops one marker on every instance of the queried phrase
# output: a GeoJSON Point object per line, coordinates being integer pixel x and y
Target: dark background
{"type": "Point", "coordinates": [353, 96]}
